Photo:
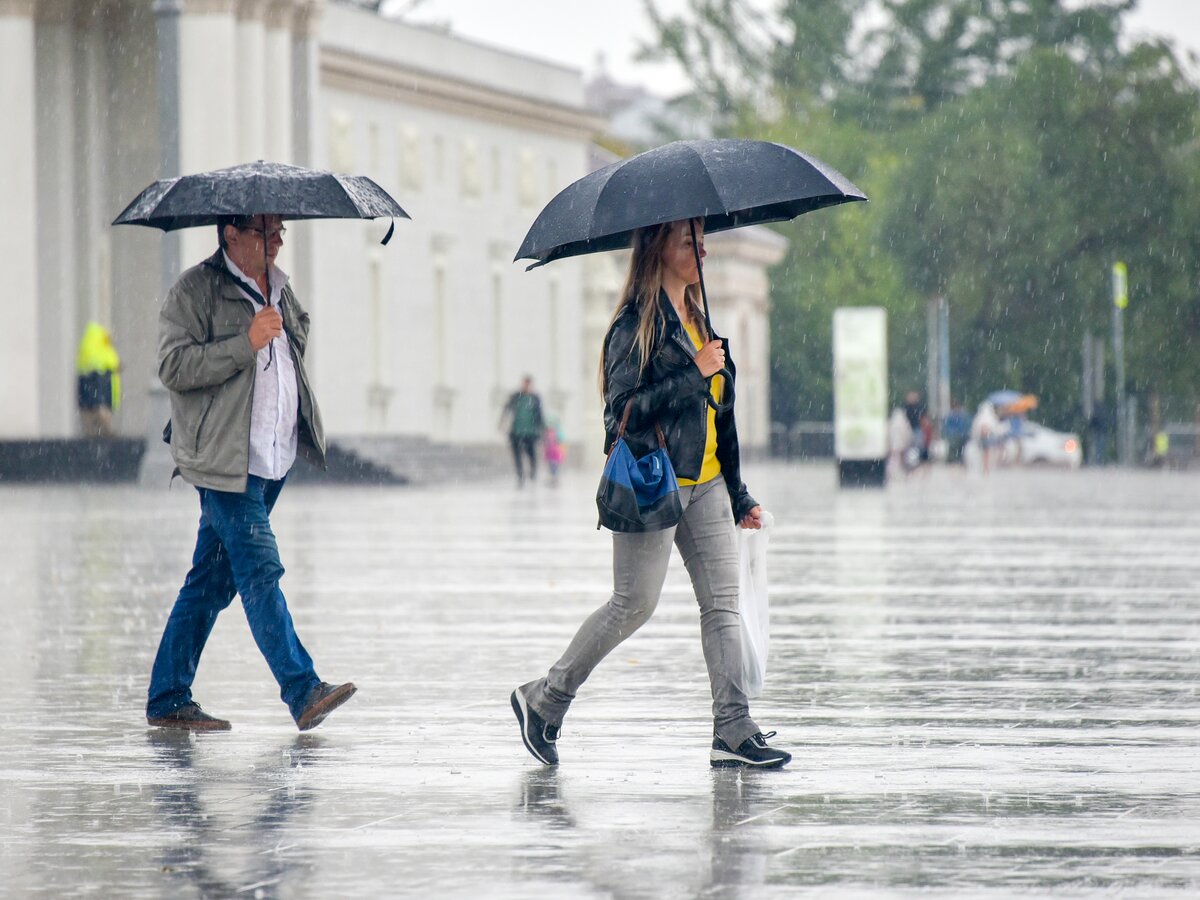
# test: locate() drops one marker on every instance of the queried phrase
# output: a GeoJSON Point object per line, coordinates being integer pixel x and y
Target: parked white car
{"type": "Point", "coordinates": [1039, 445]}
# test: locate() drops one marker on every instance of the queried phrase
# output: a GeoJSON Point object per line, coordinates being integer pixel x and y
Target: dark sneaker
{"type": "Point", "coordinates": [538, 736]}
{"type": "Point", "coordinates": [751, 752]}
{"type": "Point", "coordinates": [189, 717]}
{"type": "Point", "coordinates": [322, 700]}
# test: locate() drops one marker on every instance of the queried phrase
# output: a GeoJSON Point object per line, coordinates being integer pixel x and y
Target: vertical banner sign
{"type": "Point", "coordinates": [860, 383]}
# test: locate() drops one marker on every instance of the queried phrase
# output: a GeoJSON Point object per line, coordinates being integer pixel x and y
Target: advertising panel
{"type": "Point", "coordinates": [860, 383]}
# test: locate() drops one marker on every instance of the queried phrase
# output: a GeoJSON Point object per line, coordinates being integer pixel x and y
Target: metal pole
{"type": "Point", "coordinates": [1120, 301]}
{"type": "Point", "coordinates": [166, 14]}
{"type": "Point", "coordinates": [943, 360]}
{"type": "Point", "coordinates": [1088, 382]}
{"type": "Point", "coordinates": [931, 358]}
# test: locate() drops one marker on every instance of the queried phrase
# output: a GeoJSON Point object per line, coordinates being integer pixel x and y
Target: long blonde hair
{"type": "Point", "coordinates": [642, 287]}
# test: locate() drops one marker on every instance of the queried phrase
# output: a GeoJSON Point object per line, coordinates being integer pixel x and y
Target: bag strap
{"type": "Point", "coordinates": [662, 440]}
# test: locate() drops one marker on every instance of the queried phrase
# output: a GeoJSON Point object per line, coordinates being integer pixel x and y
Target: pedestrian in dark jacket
{"type": "Point", "coordinates": [231, 354]}
{"type": "Point", "coordinates": [659, 354]}
{"type": "Point", "coordinates": [525, 425]}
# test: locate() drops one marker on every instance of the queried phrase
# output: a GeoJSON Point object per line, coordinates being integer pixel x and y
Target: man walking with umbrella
{"type": "Point", "coordinates": [231, 354]}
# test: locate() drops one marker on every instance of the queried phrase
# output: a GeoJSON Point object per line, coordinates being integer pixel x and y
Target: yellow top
{"type": "Point", "coordinates": [711, 467]}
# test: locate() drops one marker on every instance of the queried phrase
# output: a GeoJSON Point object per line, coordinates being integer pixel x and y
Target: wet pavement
{"type": "Point", "coordinates": [990, 687]}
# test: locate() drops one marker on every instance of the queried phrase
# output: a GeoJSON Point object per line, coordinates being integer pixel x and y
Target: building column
{"type": "Point", "coordinates": [301, 260]}
{"type": "Point", "coordinates": [739, 295]}
{"type": "Point", "coordinates": [251, 80]}
{"type": "Point", "coordinates": [209, 71]}
{"type": "Point", "coordinates": [305, 83]}
{"type": "Point", "coordinates": [277, 75]}
{"type": "Point", "coordinates": [19, 376]}
{"type": "Point", "coordinates": [60, 328]}
{"type": "Point", "coordinates": [603, 277]}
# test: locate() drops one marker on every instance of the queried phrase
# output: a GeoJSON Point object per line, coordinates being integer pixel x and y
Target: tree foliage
{"type": "Point", "coordinates": [1012, 150]}
{"type": "Point", "coordinates": [1017, 200]}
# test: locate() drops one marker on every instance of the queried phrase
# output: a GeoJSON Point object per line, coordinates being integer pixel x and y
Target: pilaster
{"type": "Point", "coordinates": [209, 70]}
{"type": "Point", "coordinates": [19, 381]}
{"type": "Point", "coordinates": [55, 112]}
{"type": "Point", "coordinates": [278, 79]}
{"type": "Point", "coordinates": [250, 83]}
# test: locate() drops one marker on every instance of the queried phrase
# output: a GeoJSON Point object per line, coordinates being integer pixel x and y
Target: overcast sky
{"type": "Point", "coordinates": [575, 32]}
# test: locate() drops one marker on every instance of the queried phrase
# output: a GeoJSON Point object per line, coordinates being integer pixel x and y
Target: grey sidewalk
{"type": "Point", "coordinates": [990, 687]}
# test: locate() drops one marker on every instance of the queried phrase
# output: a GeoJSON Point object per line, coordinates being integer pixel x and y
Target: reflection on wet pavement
{"type": "Point", "coordinates": [990, 687]}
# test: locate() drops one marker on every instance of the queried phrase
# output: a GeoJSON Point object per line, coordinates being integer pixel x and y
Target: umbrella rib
{"type": "Point", "coordinates": [616, 167]}
{"type": "Point", "coordinates": [707, 174]}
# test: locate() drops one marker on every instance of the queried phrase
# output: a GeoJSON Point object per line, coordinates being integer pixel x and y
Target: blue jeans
{"type": "Point", "coordinates": [235, 553]}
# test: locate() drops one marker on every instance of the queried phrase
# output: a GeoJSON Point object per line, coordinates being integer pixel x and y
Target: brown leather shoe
{"type": "Point", "coordinates": [322, 700]}
{"type": "Point", "coordinates": [189, 717]}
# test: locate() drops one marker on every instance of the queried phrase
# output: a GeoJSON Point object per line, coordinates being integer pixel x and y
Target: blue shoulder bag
{"type": "Point", "coordinates": [638, 494]}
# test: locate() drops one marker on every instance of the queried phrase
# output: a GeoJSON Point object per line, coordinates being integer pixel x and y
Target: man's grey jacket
{"type": "Point", "coordinates": [206, 362]}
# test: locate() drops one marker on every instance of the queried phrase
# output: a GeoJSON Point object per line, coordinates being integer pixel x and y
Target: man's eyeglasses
{"type": "Point", "coordinates": [268, 235]}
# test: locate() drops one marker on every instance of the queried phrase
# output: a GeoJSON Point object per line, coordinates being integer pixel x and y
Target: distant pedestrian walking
{"type": "Point", "coordinates": [98, 368]}
{"type": "Point", "coordinates": [657, 359]}
{"type": "Point", "coordinates": [987, 433]}
{"type": "Point", "coordinates": [523, 413]}
{"type": "Point", "coordinates": [956, 429]}
{"type": "Point", "coordinates": [900, 443]}
{"type": "Point", "coordinates": [231, 354]}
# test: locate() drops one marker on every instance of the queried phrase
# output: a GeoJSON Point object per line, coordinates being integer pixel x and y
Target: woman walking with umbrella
{"type": "Point", "coordinates": [667, 382]}
{"type": "Point", "coordinates": [658, 357]}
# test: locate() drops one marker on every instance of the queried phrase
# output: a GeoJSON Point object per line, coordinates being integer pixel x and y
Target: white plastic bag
{"type": "Point", "coordinates": [752, 603]}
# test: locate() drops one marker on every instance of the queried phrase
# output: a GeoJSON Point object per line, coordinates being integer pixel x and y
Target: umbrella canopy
{"type": "Point", "coordinates": [259, 188]}
{"type": "Point", "coordinates": [291, 192]}
{"type": "Point", "coordinates": [1010, 401]}
{"type": "Point", "coordinates": [727, 182]}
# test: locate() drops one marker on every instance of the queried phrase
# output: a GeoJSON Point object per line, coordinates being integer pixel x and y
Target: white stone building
{"type": "Point", "coordinates": [424, 337]}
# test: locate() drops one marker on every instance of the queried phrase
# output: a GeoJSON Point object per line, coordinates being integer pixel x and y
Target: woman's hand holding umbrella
{"type": "Point", "coordinates": [710, 359]}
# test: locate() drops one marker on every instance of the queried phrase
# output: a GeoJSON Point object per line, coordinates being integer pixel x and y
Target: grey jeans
{"type": "Point", "coordinates": [707, 542]}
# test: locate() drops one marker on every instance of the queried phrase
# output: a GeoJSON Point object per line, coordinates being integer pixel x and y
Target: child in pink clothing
{"type": "Point", "coordinates": [552, 451]}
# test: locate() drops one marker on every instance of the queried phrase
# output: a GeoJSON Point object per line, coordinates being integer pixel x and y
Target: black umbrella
{"type": "Point", "coordinates": [259, 188]}
{"type": "Point", "coordinates": [728, 183]}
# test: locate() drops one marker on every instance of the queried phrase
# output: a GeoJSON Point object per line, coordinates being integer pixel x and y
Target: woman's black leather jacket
{"type": "Point", "coordinates": [671, 393]}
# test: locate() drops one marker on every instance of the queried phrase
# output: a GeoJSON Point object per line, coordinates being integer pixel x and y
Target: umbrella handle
{"type": "Point", "coordinates": [726, 391]}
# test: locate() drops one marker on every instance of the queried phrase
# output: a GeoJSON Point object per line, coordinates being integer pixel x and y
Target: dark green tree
{"type": "Point", "coordinates": [1012, 151]}
{"type": "Point", "coordinates": [1017, 200]}
{"type": "Point", "coordinates": [881, 62]}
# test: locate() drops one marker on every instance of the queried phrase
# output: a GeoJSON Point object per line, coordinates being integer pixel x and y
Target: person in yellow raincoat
{"type": "Point", "coordinates": [98, 367]}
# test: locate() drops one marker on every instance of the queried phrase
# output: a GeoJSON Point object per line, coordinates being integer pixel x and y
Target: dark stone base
{"type": "Point", "coordinates": [343, 466]}
{"type": "Point", "coordinates": [862, 473]}
{"type": "Point", "coordinates": [87, 460]}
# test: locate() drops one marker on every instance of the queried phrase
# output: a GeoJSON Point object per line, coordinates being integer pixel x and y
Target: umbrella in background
{"type": "Point", "coordinates": [259, 188]}
{"type": "Point", "coordinates": [1012, 402]}
{"type": "Point", "coordinates": [728, 183]}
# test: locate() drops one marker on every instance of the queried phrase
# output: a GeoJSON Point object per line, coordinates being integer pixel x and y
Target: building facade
{"type": "Point", "coordinates": [425, 336]}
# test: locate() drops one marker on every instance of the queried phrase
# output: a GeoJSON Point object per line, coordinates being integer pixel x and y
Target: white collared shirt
{"type": "Point", "coordinates": [275, 408]}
